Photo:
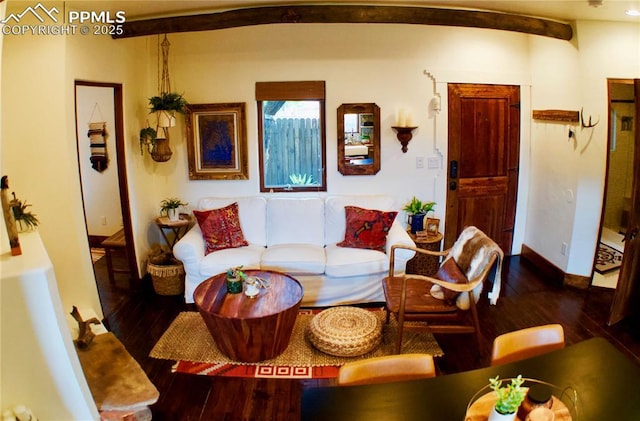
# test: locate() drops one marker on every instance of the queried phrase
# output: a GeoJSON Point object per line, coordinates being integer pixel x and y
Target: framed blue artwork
{"type": "Point", "coordinates": [217, 141]}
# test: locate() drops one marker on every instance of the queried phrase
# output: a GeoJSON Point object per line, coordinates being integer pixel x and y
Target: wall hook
{"type": "Point", "coordinates": [586, 126]}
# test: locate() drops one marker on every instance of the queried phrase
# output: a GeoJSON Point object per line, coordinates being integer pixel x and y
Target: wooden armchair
{"type": "Point", "coordinates": [411, 297]}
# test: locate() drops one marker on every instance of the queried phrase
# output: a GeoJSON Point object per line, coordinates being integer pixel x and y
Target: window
{"type": "Point", "coordinates": [291, 136]}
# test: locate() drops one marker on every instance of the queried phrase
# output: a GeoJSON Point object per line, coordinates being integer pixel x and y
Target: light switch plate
{"type": "Point", "coordinates": [433, 162]}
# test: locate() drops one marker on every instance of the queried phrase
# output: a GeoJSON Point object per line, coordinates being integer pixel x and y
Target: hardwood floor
{"type": "Point", "coordinates": [139, 317]}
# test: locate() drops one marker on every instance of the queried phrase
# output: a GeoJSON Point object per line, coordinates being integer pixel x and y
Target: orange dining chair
{"type": "Point", "coordinates": [445, 302]}
{"type": "Point", "coordinates": [525, 343]}
{"type": "Point", "coordinates": [390, 368]}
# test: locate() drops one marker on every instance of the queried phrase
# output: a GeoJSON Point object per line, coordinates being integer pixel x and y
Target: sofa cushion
{"type": "Point", "coordinates": [295, 259]}
{"type": "Point", "coordinates": [343, 262]}
{"type": "Point", "coordinates": [367, 228]}
{"type": "Point", "coordinates": [220, 228]}
{"type": "Point", "coordinates": [295, 221]}
{"type": "Point", "coordinates": [335, 220]}
{"type": "Point", "coordinates": [248, 257]}
{"type": "Point", "coordinates": [252, 212]}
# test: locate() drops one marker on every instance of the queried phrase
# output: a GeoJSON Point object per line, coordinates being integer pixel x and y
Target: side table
{"type": "Point", "coordinates": [179, 228]}
{"type": "Point", "coordinates": [422, 264]}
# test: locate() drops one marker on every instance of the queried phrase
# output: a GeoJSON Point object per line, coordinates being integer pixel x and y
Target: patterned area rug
{"type": "Point", "coordinates": [608, 258]}
{"type": "Point", "coordinates": [188, 342]}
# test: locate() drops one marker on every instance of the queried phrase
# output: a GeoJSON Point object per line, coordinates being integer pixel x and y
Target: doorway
{"type": "Point", "coordinates": [619, 183]}
{"type": "Point", "coordinates": [102, 172]}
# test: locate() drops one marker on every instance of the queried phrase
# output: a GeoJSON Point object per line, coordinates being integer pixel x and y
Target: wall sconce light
{"type": "Point", "coordinates": [404, 128]}
{"type": "Point", "coordinates": [405, 134]}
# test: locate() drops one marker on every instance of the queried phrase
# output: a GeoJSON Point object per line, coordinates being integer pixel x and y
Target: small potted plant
{"type": "Point", "coordinates": [235, 277]}
{"type": "Point", "coordinates": [25, 219]}
{"type": "Point", "coordinates": [166, 105]}
{"type": "Point", "coordinates": [508, 400]}
{"type": "Point", "coordinates": [416, 211]}
{"type": "Point", "coordinates": [170, 207]}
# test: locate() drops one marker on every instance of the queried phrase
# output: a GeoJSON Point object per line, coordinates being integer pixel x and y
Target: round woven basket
{"type": "Point", "coordinates": [345, 331]}
{"type": "Point", "coordinates": [167, 279]}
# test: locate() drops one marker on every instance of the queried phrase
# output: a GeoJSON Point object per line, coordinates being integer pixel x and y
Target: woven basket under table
{"type": "Point", "coordinates": [167, 279]}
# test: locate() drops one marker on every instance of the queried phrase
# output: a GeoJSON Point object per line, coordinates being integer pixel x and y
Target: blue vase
{"type": "Point", "coordinates": [417, 222]}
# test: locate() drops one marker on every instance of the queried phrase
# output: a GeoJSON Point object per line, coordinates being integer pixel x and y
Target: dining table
{"type": "Point", "coordinates": [596, 380]}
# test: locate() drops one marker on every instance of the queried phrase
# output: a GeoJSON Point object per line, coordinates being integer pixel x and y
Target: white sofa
{"type": "Point", "coordinates": [298, 236]}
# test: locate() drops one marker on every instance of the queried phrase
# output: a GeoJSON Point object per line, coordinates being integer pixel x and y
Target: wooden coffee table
{"type": "Point", "coordinates": [250, 329]}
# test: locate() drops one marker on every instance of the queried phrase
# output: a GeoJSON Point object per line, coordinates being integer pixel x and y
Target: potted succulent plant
{"type": "Point", "coordinates": [416, 211]}
{"type": "Point", "coordinates": [170, 207]}
{"type": "Point", "coordinates": [235, 277]}
{"type": "Point", "coordinates": [166, 105]}
{"type": "Point", "coordinates": [508, 400]}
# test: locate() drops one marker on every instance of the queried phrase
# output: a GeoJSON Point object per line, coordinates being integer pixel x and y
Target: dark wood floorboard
{"type": "Point", "coordinates": [139, 317]}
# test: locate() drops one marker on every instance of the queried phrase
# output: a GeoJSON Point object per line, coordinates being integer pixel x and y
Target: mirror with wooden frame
{"type": "Point", "coordinates": [358, 139]}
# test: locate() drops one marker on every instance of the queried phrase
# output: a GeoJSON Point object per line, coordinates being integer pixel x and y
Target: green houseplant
{"type": "Point", "coordinates": [166, 105]}
{"type": "Point", "coordinates": [416, 211]}
{"type": "Point", "coordinates": [25, 219]}
{"type": "Point", "coordinates": [416, 206]}
{"type": "Point", "coordinates": [508, 399]}
{"type": "Point", "coordinates": [148, 137]}
{"type": "Point", "coordinates": [170, 207]}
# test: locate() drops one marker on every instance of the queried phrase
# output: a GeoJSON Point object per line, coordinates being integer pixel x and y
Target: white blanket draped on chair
{"type": "Point", "coordinates": [472, 251]}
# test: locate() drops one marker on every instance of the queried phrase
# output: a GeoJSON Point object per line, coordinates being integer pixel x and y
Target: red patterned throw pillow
{"type": "Point", "coordinates": [221, 228]}
{"type": "Point", "coordinates": [366, 228]}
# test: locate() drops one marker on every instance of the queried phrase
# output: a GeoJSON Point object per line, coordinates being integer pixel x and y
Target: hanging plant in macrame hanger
{"type": "Point", "coordinates": [165, 106]}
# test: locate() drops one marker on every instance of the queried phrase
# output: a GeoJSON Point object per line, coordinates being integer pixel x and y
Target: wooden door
{"type": "Point", "coordinates": [627, 295]}
{"type": "Point", "coordinates": [484, 140]}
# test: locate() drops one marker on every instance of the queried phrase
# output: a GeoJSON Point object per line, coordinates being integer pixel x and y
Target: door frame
{"type": "Point", "coordinates": [125, 207]}
{"type": "Point", "coordinates": [628, 287]}
{"type": "Point", "coordinates": [607, 165]}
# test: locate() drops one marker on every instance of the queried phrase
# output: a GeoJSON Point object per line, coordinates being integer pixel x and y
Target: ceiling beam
{"type": "Point", "coordinates": [347, 14]}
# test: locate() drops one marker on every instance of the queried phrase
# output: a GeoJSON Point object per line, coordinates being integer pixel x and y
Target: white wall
{"type": "Point", "coordinates": [392, 65]}
{"type": "Point", "coordinates": [555, 85]}
{"type": "Point", "coordinates": [39, 140]}
{"type": "Point", "coordinates": [39, 155]}
{"type": "Point", "coordinates": [567, 176]}
{"type": "Point", "coordinates": [607, 50]}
